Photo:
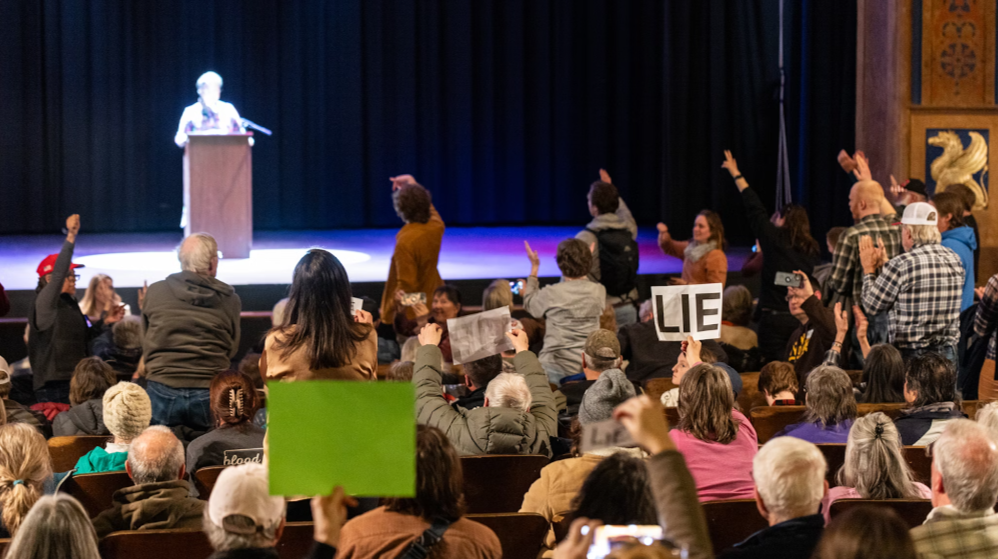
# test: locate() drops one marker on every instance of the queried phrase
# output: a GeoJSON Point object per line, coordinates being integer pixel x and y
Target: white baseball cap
{"type": "Point", "coordinates": [5, 368]}
{"type": "Point", "coordinates": [244, 491]}
{"type": "Point", "coordinates": [920, 213]}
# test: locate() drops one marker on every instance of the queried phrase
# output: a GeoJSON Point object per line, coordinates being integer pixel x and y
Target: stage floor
{"type": "Point", "coordinates": [468, 253]}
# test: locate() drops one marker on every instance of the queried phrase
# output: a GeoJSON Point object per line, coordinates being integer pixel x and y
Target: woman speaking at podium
{"type": "Point", "coordinates": [209, 115]}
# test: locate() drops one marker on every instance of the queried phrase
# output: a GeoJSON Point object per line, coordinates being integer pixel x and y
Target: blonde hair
{"type": "Point", "coordinates": [874, 465]}
{"type": "Point", "coordinates": [24, 466]}
{"type": "Point", "coordinates": [924, 234]}
{"type": "Point", "coordinates": [89, 300]}
{"type": "Point", "coordinates": [497, 294]}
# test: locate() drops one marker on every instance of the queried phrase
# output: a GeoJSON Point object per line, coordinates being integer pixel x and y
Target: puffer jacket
{"type": "Point", "coordinates": [487, 430]}
{"type": "Point", "coordinates": [151, 506]}
{"type": "Point", "coordinates": [82, 419]}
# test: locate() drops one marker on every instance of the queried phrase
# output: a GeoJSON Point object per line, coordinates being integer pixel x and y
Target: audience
{"type": "Point", "coordinates": [121, 346]}
{"type": "Point", "coordinates": [100, 299]}
{"type": "Point", "coordinates": [986, 326]}
{"type": "Point", "coordinates": [790, 483]}
{"type": "Point", "coordinates": [930, 391]}
{"type": "Point", "coordinates": [962, 522]}
{"type": "Point", "coordinates": [866, 532]}
{"type": "Point", "coordinates": [402, 372]}
{"type": "Point", "coordinates": [883, 375]}
{"type": "Point", "coordinates": [816, 333]}
{"type": "Point", "coordinates": [823, 271]}
{"type": "Point", "coordinates": [920, 289]}
{"type": "Point", "coordinates": [60, 334]}
{"type": "Point", "coordinates": [736, 313]}
{"type": "Point", "coordinates": [969, 201]}
{"type": "Point", "coordinates": [617, 492]}
{"type": "Point", "coordinates": [320, 338]}
{"type": "Point", "coordinates": [831, 408]}
{"type": "Point", "coordinates": [600, 356]}
{"type": "Point", "coordinates": [787, 245]}
{"type": "Point", "coordinates": [778, 383]}
{"type": "Point", "coordinates": [571, 308]}
{"type": "Point", "coordinates": [392, 529]}
{"type": "Point", "coordinates": [413, 267]}
{"type": "Point", "coordinates": [56, 528]}
{"type": "Point", "coordinates": [717, 441]}
{"type": "Point", "coordinates": [874, 466]}
{"type": "Point", "coordinates": [191, 332]}
{"type": "Point", "coordinates": [959, 238]}
{"type": "Point", "coordinates": [988, 417]}
{"type": "Point", "coordinates": [161, 497]}
{"type": "Point", "coordinates": [446, 305]}
{"type": "Point", "coordinates": [613, 234]}
{"type": "Point", "coordinates": [127, 412]}
{"type": "Point", "coordinates": [703, 256]}
{"type": "Point", "coordinates": [91, 380]}
{"type": "Point", "coordinates": [15, 412]}
{"type": "Point", "coordinates": [518, 416]}
{"type": "Point", "coordinates": [234, 403]}
{"type": "Point", "coordinates": [477, 376]}
{"type": "Point", "coordinates": [693, 353]}
{"type": "Point", "coordinates": [25, 474]}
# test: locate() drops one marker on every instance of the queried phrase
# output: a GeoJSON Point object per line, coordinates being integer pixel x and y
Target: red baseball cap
{"type": "Point", "coordinates": [45, 268]}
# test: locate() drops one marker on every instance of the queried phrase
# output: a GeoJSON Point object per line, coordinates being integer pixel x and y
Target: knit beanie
{"type": "Point", "coordinates": [127, 410]}
{"type": "Point", "coordinates": [610, 390]}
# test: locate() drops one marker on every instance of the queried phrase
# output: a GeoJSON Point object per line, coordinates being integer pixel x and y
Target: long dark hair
{"type": "Point", "coordinates": [884, 375]}
{"type": "Point", "coordinates": [617, 491]}
{"type": "Point", "coordinates": [439, 479]}
{"type": "Point", "coordinates": [798, 225]}
{"type": "Point", "coordinates": [318, 313]}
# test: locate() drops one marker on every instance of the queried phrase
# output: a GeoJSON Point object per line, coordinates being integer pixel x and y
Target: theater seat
{"type": "Point", "coordinates": [750, 396]}
{"type": "Point", "coordinates": [94, 491]}
{"type": "Point", "coordinates": [296, 540]}
{"type": "Point", "coordinates": [521, 534]}
{"type": "Point", "coordinates": [204, 480]}
{"type": "Point", "coordinates": [657, 386]}
{"type": "Point", "coordinates": [920, 464]}
{"type": "Point", "coordinates": [911, 511]}
{"type": "Point", "coordinates": [835, 456]}
{"type": "Point", "coordinates": [731, 521]}
{"type": "Point", "coordinates": [497, 483]}
{"type": "Point", "coordinates": [67, 451]}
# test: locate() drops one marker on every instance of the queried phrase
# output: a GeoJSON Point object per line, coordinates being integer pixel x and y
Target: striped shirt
{"type": "Point", "coordinates": [922, 290]}
{"type": "Point", "coordinates": [847, 272]}
{"type": "Point", "coordinates": [987, 315]}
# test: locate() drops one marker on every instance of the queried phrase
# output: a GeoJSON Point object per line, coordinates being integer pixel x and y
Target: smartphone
{"type": "Point", "coordinates": [410, 299]}
{"type": "Point", "coordinates": [516, 286]}
{"type": "Point", "coordinates": [755, 248]}
{"type": "Point", "coordinates": [788, 279]}
{"type": "Point", "coordinates": [609, 538]}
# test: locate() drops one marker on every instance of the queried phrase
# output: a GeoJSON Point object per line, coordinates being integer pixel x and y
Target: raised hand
{"type": "Point", "coordinates": [73, 224]}
{"type": "Point", "coordinates": [663, 234]}
{"type": "Point", "coordinates": [535, 259]}
{"type": "Point", "coordinates": [979, 291]}
{"type": "Point", "coordinates": [430, 334]}
{"type": "Point", "coordinates": [142, 293]}
{"type": "Point", "coordinates": [329, 514]}
{"type": "Point", "coordinates": [420, 310]}
{"type": "Point", "coordinates": [580, 537]}
{"type": "Point", "coordinates": [604, 176]}
{"type": "Point", "coordinates": [644, 418]}
{"type": "Point", "coordinates": [862, 171]}
{"type": "Point", "coordinates": [861, 322]}
{"type": "Point", "coordinates": [730, 164]}
{"type": "Point", "coordinates": [869, 256]}
{"type": "Point", "coordinates": [806, 290]}
{"type": "Point", "coordinates": [896, 189]}
{"type": "Point", "coordinates": [401, 180]}
{"type": "Point", "coordinates": [519, 339]}
{"type": "Point", "coordinates": [847, 163]}
{"type": "Point", "coordinates": [693, 350]}
{"type": "Point", "coordinates": [841, 320]}
{"type": "Point", "coordinates": [115, 314]}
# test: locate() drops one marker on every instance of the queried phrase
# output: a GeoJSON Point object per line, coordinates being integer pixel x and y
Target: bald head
{"type": "Point", "coordinates": [199, 254]}
{"type": "Point", "coordinates": [865, 198]}
{"type": "Point", "coordinates": [965, 467]}
{"type": "Point", "coordinates": [155, 455]}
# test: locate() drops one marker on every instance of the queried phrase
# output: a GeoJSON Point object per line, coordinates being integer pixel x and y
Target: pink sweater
{"type": "Point", "coordinates": [721, 471]}
{"type": "Point", "coordinates": [836, 493]}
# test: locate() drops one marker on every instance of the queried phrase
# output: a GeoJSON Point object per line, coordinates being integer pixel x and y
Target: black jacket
{"type": "Point", "coordinates": [807, 345]}
{"type": "Point", "coordinates": [124, 361]}
{"type": "Point", "coordinates": [650, 358]}
{"type": "Point", "coordinates": [318, 551]}
{"type": "Point", "coordinates": [475, 399]}
{"type": "Point", "coordinates": [82, 419]}
{"type": "Point", "coordinates": [915, 423]}
{"type": "Point", "coordinates": [191, 329]}
{"type": "Point", "coordinates": [794, 539]}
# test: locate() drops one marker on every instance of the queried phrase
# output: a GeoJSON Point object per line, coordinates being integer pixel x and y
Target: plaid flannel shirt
{"type": "Point", "coordinates": [847, 272]}
{"type": "Point", "coordinates": [987, 315]}
{"type": "Point", "coordinates": [949, 533]}
{"type": "Point", "coordinates": [922, 290]}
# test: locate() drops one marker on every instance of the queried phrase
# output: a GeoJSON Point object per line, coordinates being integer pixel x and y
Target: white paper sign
{"type": "Point", "coordinates": [603, 434]}
{"type": "Point", "coordinates": [687, 310]}
{"type": "Point", "coordinates": [356, 304]}
{"type": "Point", "coordinates": [479, 335]}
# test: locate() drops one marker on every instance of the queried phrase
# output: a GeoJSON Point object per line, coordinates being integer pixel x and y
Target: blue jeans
{"type": "Point", "coordinates": [180, 406]}
{"type": "Point", "coordinates": [54, 391]}
{"type": "Point", "coordinates": [946, 351]}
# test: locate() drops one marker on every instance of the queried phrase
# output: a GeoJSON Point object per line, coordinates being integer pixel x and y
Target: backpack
{"type": "Point", "coordinates": [618, 260]}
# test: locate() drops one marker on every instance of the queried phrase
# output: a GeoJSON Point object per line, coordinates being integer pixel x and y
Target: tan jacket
{"type": "Point", "coordinates": [414, 263]}
{"type": "Point", "coordinates": [551, 495]}
{"type": "Point", "coordinates": [712, 268]}
{"type": "Point", "coordinates": [381, 533]}
{"type": "Point", "coordinates": [363, 366]}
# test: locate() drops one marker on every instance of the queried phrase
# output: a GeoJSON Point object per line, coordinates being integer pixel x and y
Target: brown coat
{"type": "Point", "coordinates": [414, 263]}
{"type": "Point", "coordinates": [551, 495]}
{"type": "Point", "coordinates": [712, 268]}
{"type": "Point", "coordinates": [381, 533]}
{"type": "Point", "coordinates": [363, 366]}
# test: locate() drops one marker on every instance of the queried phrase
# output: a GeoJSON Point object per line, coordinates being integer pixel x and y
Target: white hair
{"type": "Point", "coordinates": [967, 459]}
{"type": "Point", "coordinates": [509, 390]}
{"type": "Point", "coordinates": [223, 540]}
{"type": "Point", "coordinates": [56, 527]}
{"type": "Point", "coordinates": [209, 78]}
{"type": "Point", "coordinates": [789, 475]}
{"type": "Point", "coordinates": [196, 253]}
{"type": "Point", "coordinates": [988, 417]}
{"type": "Point", "coordinates": [155, 455]}
{"type": "Point", "coordinates": [924, 234]}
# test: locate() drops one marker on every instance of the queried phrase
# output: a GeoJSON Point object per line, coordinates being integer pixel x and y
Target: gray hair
{"type": "Point", "coordinates": [509, 390]}
{"type": "Point", "coordinates": [600, 364]}
{"type": "Point", "coordinates": [56, 528]}
{"type": "Point", "coordinates": [645, 310]}
{"type": "Point", "coordinates": [830, 399]}
{"type": "Point", "coordinates": [223, 540]}
{"type": "Point", "coordinates": [207, 78]}
{"type": "Point", "coordinates": [155, 455]}
{"type": "Point", "coordinates": [988, 417]}
{"type": "Point", "coordinates": [409, 349]}
{"type": "Point", "coordinates": [789, 475]}
{"type": "Point", "coordinates": [196, 253]}
{"type": "Point", "coordinates": [874, 464]}
{"type": "Point", "coordinates": [924, 234]}
{"type": "Point", "coordinates": [967, 459]}
{"type": "Point", "coordinates": [127, 332]}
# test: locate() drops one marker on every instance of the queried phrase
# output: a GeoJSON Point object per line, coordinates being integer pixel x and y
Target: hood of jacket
{"type": "Point", "coordinates": [157, 505]}
{"type": "Point", "coordinates": [504, 431]}
{"type": "Point", "coordinates": [87, 418]}
{"type": "Point", "coordinates": [964, 235]}
{"type": "Point", "coordinates": [608, 221]}
{"type": "Point", "coordinates": [197, 290]}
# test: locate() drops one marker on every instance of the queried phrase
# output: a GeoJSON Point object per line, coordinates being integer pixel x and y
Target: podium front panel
{"type": "Point", "coordinates": [218, 191]}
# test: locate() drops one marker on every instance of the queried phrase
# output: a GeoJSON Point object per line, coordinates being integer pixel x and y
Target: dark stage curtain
{"type": "Point", "coordinates": [505, 109]}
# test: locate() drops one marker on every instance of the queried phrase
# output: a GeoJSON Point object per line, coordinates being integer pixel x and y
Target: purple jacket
{"type": "Point", "coordinates": [814, 433]}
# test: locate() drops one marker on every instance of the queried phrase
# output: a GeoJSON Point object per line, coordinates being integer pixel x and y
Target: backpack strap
{"type": "Point", "coordinates": [421, 546]}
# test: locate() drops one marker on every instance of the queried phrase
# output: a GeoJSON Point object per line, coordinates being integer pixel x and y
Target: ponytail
{"type": "Point", "coordinates": [24, 467]}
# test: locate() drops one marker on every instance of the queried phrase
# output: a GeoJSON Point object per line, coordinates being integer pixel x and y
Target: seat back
{"type": "Point", "coordinates": [731, 521]}
{"type": "Point", "coordinates": [657, 386]}
{"type": "Point", "coordinates": [156, 544]}
{"type": "Point", "coordinates": [770, 420]}
{"type": "Point", "coordinates": [67, 451]}
{"type": "Point", "coordinates": [920, 464]}
{"type": "Point", "coordinates": [521, 534]}
{"type": "Point", "coordinates": [296, 540]}
{"type": "Point", "coordinates": [95, 491]}
{"type": "Point", "coordinates": [835, 456]}
{"type": "Point", "coordinates": [911, 511]}
{"type": "Point", "coordinates": [970, 407]}
{"type": "Point", "coordinates": [497, 483]}
{"type": "Point", "coordinates": [204, 480]}
{"type": "Point", "coordinates": [750, 396]}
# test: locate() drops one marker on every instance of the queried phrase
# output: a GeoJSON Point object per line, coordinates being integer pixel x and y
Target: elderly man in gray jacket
{"type": "Point", "coordinates": [519, 415]}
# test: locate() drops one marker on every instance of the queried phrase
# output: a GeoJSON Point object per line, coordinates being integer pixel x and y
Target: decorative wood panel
{"type": "Point", "coordinates": [958, 53]}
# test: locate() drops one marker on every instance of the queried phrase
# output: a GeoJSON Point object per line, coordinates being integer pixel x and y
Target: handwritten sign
{"type": "Point", "coordinates": [604, 434]}
{"type": "Point", "coordinates": [242, 456]}
{"type": "Point", "coordinates": [479, 335]}
{"type": "Point", "coordinates": [687, 310]}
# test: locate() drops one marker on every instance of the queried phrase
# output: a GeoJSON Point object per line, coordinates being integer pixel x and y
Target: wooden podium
{"type": "Point", "coordinates": [218, 190]}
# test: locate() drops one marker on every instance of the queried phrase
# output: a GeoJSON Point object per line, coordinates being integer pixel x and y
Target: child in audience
{"type": "Point", "coordinates": [234, 403]}
{"type": "Point", "coordinates": [90, 381]}
{"type": "Point", "coordinates": [831, 408]}
{"type": "Point", "coordinates": [127, 412]}
{"type": "Point", "coordinates": [25, 467]}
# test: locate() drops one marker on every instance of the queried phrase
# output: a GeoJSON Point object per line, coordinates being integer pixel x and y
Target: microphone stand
{"type": "Point", "coordinates": [250, 124]}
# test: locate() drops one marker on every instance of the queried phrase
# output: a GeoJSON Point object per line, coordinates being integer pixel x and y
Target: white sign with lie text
{"type": "Point", "coordinates": [687, 310]}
